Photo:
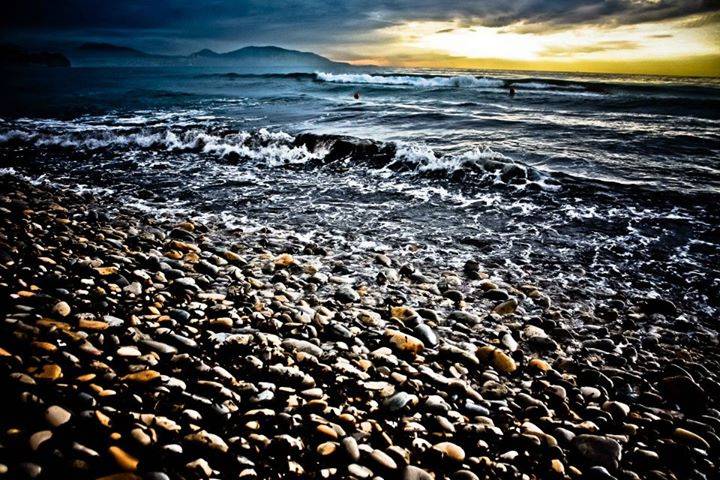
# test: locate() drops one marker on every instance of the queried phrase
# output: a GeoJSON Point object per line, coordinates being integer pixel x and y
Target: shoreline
{"type": "Point", "coordinates": [163, 350]}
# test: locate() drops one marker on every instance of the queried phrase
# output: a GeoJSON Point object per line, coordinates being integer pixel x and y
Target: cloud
{"type": "Point", "coordinates": [229, 23]}
{"type": "Point", "coordinates": [564, 51]}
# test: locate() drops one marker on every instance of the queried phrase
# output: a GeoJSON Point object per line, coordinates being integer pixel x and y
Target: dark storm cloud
{"type": "Point", "coordinates": [180, 24]}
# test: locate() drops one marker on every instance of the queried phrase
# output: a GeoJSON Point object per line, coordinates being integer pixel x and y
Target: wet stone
{"type": "Point", "coordinates": [414, 473]}
{"type": "Point", "coordinates": [136, 347]}
{"type": "Point", "coordinates": [38, 438]}
{"type": "Point", "coordinates": [57, 416]}
{"type": "Point", "coordinates": [359, 471]}
{"type": "Point", "coordinates": [449, 450]}
{"type": "Point", "coordinates": [351, 448]}
{"type": "Point", "coordinates": [346, 294]}
{"type": "Point", "coordinates": [129, 351]}
{"type": "Point", "coordinates": [599, 450]}
{"type": "Point", "coordinates": [123, 459]}
{"type": "Point", "coordinates": [62, 309]}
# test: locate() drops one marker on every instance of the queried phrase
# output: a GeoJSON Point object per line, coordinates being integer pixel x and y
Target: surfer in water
{"type": "Point", "coordinates": [356, 95]}
{"type": "Point", "coordinates": [511, 92]}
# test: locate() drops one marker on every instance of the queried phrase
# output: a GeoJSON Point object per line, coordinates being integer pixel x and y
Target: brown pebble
{"type": "Point", "coordinates": [404, 342]}
{"type": "Point", "coordinates": [50, 372]}
{"type": "Point", "coordinates": [123, 459]}
{"type": "Point", "coordinates": [540, 365]}
{"type": "Point", "coordinates": [38, 438]}
{"type": "Point", "coordinates": [92, 324]}
{"type": "Point", "coordinates": [144, 376]}
{"type": "Point", "coordinates": [450, 450]}
{"type": "Point", "coordinates": [326, 448]}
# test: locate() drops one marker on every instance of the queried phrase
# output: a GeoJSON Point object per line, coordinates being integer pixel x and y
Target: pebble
{"type": "Point", "coordinates": [326, 448]}
{"type": "Point", "coordinates": [50, 372]}
{"type": "Point", "coordinates": [690, 438]}
{"type": "Point", "coordinates": [346, 294]}
{"type": "Point", "coordinates": [539, 365]}
{"type": "Point", "coordinates": [217, 356]}
{"type": "Point", "coordinates": [383, 460]}
{"type": "Point", "coordinates": [599, 450]}
{"type": "Point", "coordinates": [209, 439]}
{"type": "Point", "coordinates": [57, 416]}
{"type": "Point", "coordinates": [499, 359]}
{"type": "Point", "coordinates": [129, 351]}
{"type": "Point", "coordinates": [351, 448]}
{"type": "Point", "coordinates": [404, 342]}
{"type": "Point", "coordinates": [142, 377]}
{"type": "Point", "coordinates": [62, 309]}
{"type": "Point", "coordinates": [414, 473]}
{"type": "Point", "coordinates": [506, 308]}
{"type": "Point", "coordinates": [123, 459]}
{"type": "Point", "coordinates": [359, 471]}
{"type": "Point", "coordinates": [450, 451]}
{"type": "Point", "coordinates": [38, 438]}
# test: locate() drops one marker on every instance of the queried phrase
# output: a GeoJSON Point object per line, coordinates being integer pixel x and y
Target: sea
{"type": "Point", "coordinates": [599, 188]}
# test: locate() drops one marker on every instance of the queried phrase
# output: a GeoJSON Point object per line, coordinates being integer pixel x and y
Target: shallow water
{"type": "Point", "coordinates": [599, 186]}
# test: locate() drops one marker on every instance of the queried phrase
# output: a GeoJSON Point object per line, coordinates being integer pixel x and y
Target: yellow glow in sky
{"type": "Point", "coordinates": [632, 42]}
{"type": "Point", "coordinates": [677, 46]}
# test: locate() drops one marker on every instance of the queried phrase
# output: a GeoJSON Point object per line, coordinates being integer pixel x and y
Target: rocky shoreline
{"type": "Point", "coordinates": [139, 347]}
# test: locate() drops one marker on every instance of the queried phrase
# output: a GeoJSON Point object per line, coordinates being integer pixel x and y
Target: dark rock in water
{"type": "Point", "coordinates": [599, 450]}
{"type": "Point", "coordinates": [426, 334]}
{"type": "Point", "coordinates": [496, 294]}
{"type": "Point", "coordinates": [346, 294]}
{"type": "Point", "coordinates": [542, 343]}
{"type": "Point", "coordinates": [465, 318]}
{"type": "Point", "coordinates": [600, 343]}
{"type": "Point", "coordinates": [207, 268]}
{"type": "Point", "coordinates": [427, 314]}
{"type": "Point", "coordinates": [454, 295]}
{"type": "Point", "coordinates": [512, 172]}
{"type": "Point", "coordinates": [652, 305]}
{"type": "Point", "coordinates": [472, 269]}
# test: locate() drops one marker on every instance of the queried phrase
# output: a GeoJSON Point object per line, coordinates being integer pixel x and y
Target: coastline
{"type": "Point", "coordinates": [163, 350]}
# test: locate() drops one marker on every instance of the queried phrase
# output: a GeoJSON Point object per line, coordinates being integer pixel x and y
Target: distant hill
{"type": "Point", "coordinates": [14, 56]}
{"type": "Point", "coordinates": [105, 54]}
{"type": "Point", "coordinates": [100, 49]}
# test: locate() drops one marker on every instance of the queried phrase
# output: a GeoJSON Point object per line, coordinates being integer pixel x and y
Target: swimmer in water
{"type": "Point", "coordinates": [512, 91]}
{"type": "Point", "coordinates": [356, 95]}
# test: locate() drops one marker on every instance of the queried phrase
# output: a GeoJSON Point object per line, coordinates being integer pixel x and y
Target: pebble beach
{"type": "Point", "coordinates": [133, 346]}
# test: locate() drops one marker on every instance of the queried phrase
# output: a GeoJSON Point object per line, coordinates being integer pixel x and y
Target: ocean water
{"type": "Point", "coordinates": [595, 187]}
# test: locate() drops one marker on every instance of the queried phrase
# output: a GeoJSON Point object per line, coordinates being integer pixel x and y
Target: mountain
{"type": "Point", "coordinates": [276, 56]}
{"type": "Point", "coordinates": [206, 52]}
{"type": "Point", "coordinates": [14, 56]}
{"type": "Point", "coordinates": [105, 54]}
{"type": "Point", "coordinates": [109, 49]}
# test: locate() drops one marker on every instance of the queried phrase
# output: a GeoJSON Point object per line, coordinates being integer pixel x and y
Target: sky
{"type": "Point", "coordinates": [669, 37]}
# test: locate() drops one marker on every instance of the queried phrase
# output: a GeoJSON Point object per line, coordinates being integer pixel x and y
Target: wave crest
{"type": "Point", "coordinates": [409, 80]}
{"type": "Point", "coordinates": [266, 148]}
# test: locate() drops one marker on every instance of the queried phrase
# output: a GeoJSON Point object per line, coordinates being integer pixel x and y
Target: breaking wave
{"type": "Point", "coordinates": [426, 81]}
{"type": "Point", "coordinates": [264, 148]}
{"type": "Point", "coordinates": [410, 80]}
